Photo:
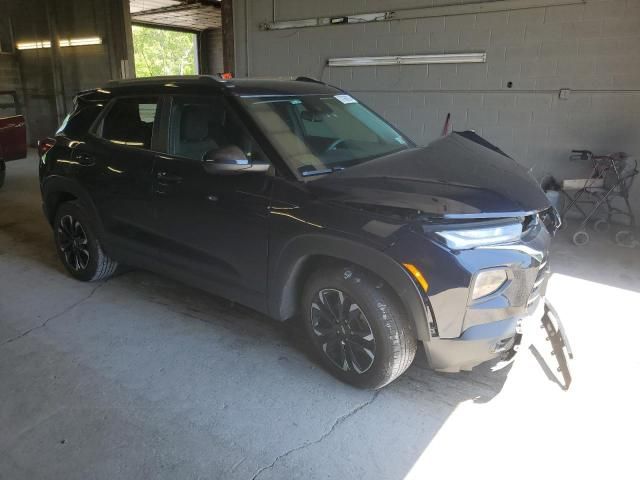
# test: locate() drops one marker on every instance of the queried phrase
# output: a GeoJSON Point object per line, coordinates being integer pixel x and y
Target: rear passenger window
{"type": "Point", "coordinates": [130, 122]}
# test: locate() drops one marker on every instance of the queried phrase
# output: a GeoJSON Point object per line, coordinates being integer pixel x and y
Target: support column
{"type": "Point", "coordinates": [228, 52]}
{"type": "Point", "coordinates": [56, 64]}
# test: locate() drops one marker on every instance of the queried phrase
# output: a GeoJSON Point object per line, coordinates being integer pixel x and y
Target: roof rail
{"type": "Point", "coordinates": [163, 79]}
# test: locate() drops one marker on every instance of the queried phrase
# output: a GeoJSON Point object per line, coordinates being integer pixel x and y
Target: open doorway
{"type": "Point", "coordinates": [160, 52]}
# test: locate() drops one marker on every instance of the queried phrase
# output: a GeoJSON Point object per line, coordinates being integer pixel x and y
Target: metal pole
{"type": "Point", "coordinates": [56, 63]}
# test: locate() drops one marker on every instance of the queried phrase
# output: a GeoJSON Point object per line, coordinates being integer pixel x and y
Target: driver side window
{"type": "Point", "coordinates": [202, 124]}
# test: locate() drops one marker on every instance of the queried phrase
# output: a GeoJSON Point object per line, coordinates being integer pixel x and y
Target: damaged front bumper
{"type": "Point", "coordinates": [501, 340]}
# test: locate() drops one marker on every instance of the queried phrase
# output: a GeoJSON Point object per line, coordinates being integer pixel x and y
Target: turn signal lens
{"type": "Point", "coordinates": [417, 274]}
{"type": "Point", "coordinates": [488, 282]}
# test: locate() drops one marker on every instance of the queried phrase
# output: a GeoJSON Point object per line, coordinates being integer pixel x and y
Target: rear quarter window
{"type": "Point", "coordinates": [77, 123]}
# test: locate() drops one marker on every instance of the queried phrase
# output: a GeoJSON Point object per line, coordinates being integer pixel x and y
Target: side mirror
{"type": "Point", "coordinates": [230, 159]}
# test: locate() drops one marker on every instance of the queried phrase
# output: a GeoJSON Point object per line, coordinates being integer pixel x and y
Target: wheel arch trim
{"type": "Point", "coordinates": [288, 268]}
{"type": "Point", "coordinates": [56, 185]}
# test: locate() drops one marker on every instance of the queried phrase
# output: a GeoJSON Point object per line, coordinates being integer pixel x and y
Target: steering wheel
{"type": "Point", "coordinates": [334, 144]}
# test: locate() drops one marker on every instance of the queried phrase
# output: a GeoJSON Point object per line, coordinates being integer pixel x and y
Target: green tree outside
{"type": "Point", "coordinates": [163, 52]}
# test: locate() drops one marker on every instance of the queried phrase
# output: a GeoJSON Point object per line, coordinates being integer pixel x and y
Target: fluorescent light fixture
{"type": "Point", "coordinates": [78, 42]}
{"type": "Point", "coordinates": [466, 8]}
{"type": "Point", "coordinates": [32, 45]}
{"type": "Point", "coordinates": [409, 59]}
{"type": "Point", "coordinates": [65, 42]}
{"type": "Point", "coordinates": [322, 21]}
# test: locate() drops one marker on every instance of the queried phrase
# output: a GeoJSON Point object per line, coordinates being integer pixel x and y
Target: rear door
{"type": "Point", "coordinates": [116, 166]}
{"type": "Point", "coordinates": [13, 132]}
{"type": "Point", "coordinates": [212, 226]}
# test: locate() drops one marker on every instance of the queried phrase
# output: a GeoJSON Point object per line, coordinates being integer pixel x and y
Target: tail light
{"type": "Point", "coordinates": [45, 145]}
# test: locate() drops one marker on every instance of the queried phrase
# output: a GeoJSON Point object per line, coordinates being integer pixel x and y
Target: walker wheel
{"type": "Point", "coordinates": [625, 238]}
{"type": "Point", "coordinates": [580, 238]}
{"type": "Point", "coordinates": [601, 225]}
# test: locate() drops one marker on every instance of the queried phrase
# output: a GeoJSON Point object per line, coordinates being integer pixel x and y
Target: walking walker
{"type": "Point", "coordinates": [604, 195]}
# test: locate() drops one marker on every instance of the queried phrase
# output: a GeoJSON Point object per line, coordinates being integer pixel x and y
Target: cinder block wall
{"type": "Point", "coordinates": [9, 72]}
{"type": "Point", "coordinates": [30, 72]}
{"type": "Point", "coordinates": [591, 48]}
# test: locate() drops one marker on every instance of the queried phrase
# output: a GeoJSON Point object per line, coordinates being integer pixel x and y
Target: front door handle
{"type": "Point", "coordinates": [166, 177]}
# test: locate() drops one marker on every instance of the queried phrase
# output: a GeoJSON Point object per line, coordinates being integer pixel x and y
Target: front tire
{"type": "Point", "coordinates": [78, 245]}
{"type": "Point", "coordinates": [357, 327]}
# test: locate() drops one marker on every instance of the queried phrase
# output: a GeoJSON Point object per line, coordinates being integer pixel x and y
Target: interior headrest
{"type": "Point", "coordinates": [194, 122]}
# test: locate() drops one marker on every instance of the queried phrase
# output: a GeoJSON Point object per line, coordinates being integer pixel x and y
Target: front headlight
{"type": "Point", "coordinates": [487, 282]}
{"type": "Point", "coordinates": [460, 239]}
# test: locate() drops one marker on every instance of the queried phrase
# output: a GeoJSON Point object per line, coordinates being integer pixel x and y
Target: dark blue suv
{"type": "Point", "coordinates": [293, 198]}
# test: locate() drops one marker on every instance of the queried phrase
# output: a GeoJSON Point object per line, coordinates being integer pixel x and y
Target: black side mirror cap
{"type": "Point", "coordinates": [229, 160]}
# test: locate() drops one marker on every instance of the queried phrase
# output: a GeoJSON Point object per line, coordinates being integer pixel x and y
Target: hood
{"type": "Point", "coordinates": [458, 176]}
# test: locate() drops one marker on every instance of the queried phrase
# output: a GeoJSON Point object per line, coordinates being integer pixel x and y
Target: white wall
{"type": "Point", "coordinates": [591, 48]}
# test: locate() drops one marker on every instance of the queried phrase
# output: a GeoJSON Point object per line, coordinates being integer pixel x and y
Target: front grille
{"type": "Point", "coordinates": [539, 284]}
{"type": "Point", "coordinates": [527, 285]}
{"type": "Point", "coordinates": [521, 286]}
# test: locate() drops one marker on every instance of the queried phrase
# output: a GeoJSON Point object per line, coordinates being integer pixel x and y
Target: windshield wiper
{"type": "Point", "coordinates": [324, 171]}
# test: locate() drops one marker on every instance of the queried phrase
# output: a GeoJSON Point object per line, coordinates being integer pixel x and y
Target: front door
{"type": "Point", "coordinates": [212, 226]}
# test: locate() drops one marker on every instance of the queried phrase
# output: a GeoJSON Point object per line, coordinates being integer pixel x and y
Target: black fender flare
{"type": "Point", "coordinates": [56, 185]}
{"type": "Point", "coordinates": [287, 269]}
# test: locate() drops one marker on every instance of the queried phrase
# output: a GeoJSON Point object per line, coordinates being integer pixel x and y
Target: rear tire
{"type": "Point", "coordinates": [78, 245]}
{"type": "Point", "coordinates": [358, 328]}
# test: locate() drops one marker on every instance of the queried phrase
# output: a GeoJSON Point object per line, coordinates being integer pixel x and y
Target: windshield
{"type": "Point", "coordinates": [318, 134]}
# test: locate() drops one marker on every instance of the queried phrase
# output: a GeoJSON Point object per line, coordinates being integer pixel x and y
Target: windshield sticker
{"type": "Point", "coordinates": [345, 99]}
{"type": "Point", "coordinates": [296, 102]}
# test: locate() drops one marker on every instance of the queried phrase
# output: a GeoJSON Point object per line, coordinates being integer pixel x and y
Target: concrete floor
{"type": "Point", "coordinates": [141, 377]}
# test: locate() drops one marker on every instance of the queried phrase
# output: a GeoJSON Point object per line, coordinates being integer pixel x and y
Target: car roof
{"type": "Point", "coordinates": [244, 87]}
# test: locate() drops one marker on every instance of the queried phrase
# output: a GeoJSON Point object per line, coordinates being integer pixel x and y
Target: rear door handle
{"type": "Point", "coordinates": [166, 177]}
{"type": "Point", "coordinates": [84, 159]}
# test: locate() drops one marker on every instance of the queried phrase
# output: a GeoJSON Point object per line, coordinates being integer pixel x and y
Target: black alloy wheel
{"type": "Point", "coordinates": [73, 243]}
{"type": "Point", "coordinates": [342, 330]}
{"type": "Point", "coordinates": [78, 245]}
{"type": "Point", "coordinates": [357, 327]}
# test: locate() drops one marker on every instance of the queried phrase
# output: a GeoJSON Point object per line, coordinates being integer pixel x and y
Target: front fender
{"type": "Point", "coordinates": [286, 269]}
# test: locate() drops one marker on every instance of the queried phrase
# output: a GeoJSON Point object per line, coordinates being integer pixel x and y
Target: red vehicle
{"type": "Point", "coordinates": [13, 133]}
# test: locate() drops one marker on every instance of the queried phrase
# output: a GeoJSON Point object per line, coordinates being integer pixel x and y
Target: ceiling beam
{"type": "Point", "coordinates": [173, 8]}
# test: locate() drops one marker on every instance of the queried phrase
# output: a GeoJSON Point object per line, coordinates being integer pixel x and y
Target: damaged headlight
{"type": "Point", "coordinates": [460, 239]}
